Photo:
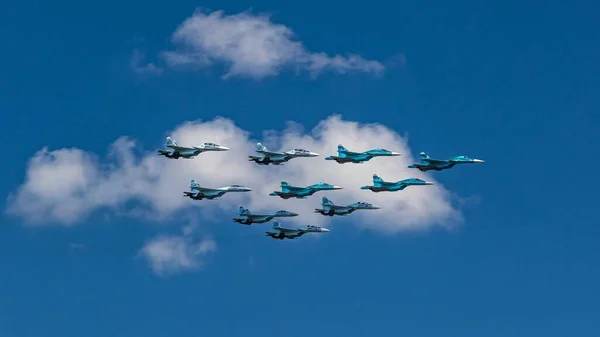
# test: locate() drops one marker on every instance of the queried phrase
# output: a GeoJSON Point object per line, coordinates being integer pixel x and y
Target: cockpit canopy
{"type": "Point", "coordinates": [236, 186]}
{"type": "Point", "coordinates": [301, 150]}
{"type": "Point", "coordinates": [211, 144]}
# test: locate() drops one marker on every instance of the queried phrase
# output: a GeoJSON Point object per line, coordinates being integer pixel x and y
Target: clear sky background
{"type": "Point", "coordinates": [505, 248]}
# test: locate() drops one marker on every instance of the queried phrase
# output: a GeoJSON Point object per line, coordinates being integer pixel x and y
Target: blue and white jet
{"type": "Point", "coordinates": [293, 233]}
{"type": "Point", "coordinates": [278, 158]}
{"type": "Point", "coordinates": [175, 151]}
{"type": "Point", "coordinates": [379, 185]}
{"type": "Point", "coordinates": [247, 218]}
{"type": "Point", "coordinates": [429, 164]}
{"type": "Point", "coordinates": [330, 209]}
{"type": "Point", "coordinates": [289, 191]}
{"type": "Point", "coordinates": [345, 156]}
{"type": "Point", "coordinates": [199, 193]}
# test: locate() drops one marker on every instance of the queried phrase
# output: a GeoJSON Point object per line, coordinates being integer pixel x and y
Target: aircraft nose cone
{"type": "Point", "coordinates": [223, 148]}
{"type": "Point", "coordinates": [396, 153]}
{"type": "Point", "coordinates": [314, 154]}
{"type": "Point", "coordinates": [324, 230]}
{"type": "Point", "coordinates": [337, 187]}
{"type": "Point", "coordinates": [478, 161]}
{"type": "Point", "coordinates": [428, 183]}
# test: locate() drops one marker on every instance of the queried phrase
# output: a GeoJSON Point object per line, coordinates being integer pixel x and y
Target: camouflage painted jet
{"type": "Point", "coordinates": [379, 185]}
{"type": "Point", "coordinates": [289, 191]}
{"type": "Point", "coordinates": [293, 233]}
{"type": "Point", "coordinates": [330, 209]}
{"type": "Point", "coordinates": [345, 156]}
{"type": "Point", "coordinates": [428, 164]}
{"type": "Point", "coordinates": [247, 218]}
{"type": "Point", "coordinates": [175, 151]}
{"type": "Point", "coordinates": [199, 193]}
{"type": "Point", "coordinates": [278, 158]}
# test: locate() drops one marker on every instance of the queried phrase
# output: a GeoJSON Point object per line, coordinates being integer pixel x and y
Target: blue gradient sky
{"type": "Point", "coordinates": [515, 83]}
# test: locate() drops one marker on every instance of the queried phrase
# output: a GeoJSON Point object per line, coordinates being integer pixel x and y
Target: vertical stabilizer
{"type": "Point", "coordinates": [377, 181]}
{"type": "Point", "coordinates": [170, 142]}
{"type": "Point", "coordinates": [261, 148]}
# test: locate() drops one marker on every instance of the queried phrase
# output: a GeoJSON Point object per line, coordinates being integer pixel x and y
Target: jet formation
{"type": "Point", "coordinates": [328, 208]}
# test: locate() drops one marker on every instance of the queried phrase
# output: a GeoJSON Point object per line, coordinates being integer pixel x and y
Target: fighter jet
{"type": "Point", "coordinates": [428, 164]}
{"type": "Point", "coordinates": [330, 209]}
{"type": "Point", "coordinates": [289, 191]}
{"type": "Point", "coordinates": [185, 152]}
{"type": "Point", "coordinates": [293, 233]}
{"type": "Point", "coordinates": [387, 186]}
{"type": "Point", "coordinates": [199, 193]}
{"type": "Point", "coordinates": [278, 158]}
{"type": "Point", "coordinates": [345, 156]}
{"type": "Point", "coordinates": [247, 218]}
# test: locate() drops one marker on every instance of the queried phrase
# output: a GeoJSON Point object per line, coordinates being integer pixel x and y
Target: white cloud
{"type": "Point", "coordinates": [139, 66]}
{"type": "Point", "coordinates": [251, 45]}
{"type": "Point", "coordinates": [168, 255]}
{"type": "Point", "coordinates": [66, 185]}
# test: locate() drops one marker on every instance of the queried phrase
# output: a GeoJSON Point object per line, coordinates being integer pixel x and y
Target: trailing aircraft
{"type": "Point", "coordinates": [330, 209]}
{"type": "Point", "coordinates": [247, 218]}
{"type": "Point", "coordinates": [293, 233]}
{"type": "Point", "coordinates": [379, 185]}
{"type": "Point", "coordinates": [345, 156]}
{"type": "Point", "coordinates": [199, 193]}
{"type": "Point", "coordinates": [187, 152]}
{"type": "Point", "coordinates": [278, 158]}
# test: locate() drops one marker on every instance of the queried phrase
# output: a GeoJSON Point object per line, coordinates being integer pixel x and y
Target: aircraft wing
{"type": "Point", "coordinates": [272, 154]}
{"type": "Point", "coordinates": [182, 148]}
{"type": "Point", "coordinates": [434, 161]}
{"type": "Point", "coordinates": [204, 189]}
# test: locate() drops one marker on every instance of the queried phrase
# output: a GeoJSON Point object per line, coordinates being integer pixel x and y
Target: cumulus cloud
{"type": "Point", "coordinates": [64, 186]}
{"type": "Point", "coordinates": [253, 46]}
{"type": "Point", "coordinates": [168, 255]}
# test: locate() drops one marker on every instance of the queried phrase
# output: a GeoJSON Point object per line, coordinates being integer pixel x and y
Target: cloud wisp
{"type": "Point", "coordinates": [252, 46]}
{"type": "Point", "coordinates": [168, 255]}
{"type": "Point", "coordinates": [64, 186]}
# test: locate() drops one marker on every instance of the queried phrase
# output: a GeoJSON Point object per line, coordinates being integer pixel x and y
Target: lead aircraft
{"type": "Point", "coordinates": [429, 164]}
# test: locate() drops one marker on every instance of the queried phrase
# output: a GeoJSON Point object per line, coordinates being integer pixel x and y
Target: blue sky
{"type": "Point", "coordinates": [514, 83]}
